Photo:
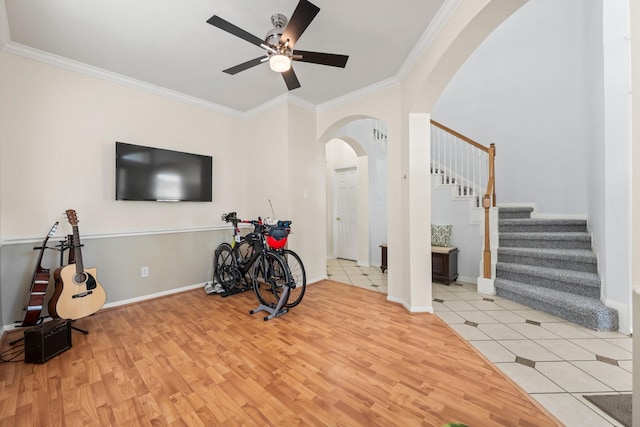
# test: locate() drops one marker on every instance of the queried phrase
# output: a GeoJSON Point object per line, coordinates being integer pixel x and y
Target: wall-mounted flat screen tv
{"type": "Point", "coordinates": [155, 174]}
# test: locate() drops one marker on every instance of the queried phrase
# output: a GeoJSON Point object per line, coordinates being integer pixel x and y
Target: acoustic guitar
{"type": "Point", "coordinates": [39, 284]}
{"type": "Point", "coordinates": [77, 293]}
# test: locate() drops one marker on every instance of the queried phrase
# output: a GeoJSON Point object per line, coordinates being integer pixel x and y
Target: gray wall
{"type": "Point", "coordinates": [527, 88]}
{"type": "Point", "coordinates": [175, 260]}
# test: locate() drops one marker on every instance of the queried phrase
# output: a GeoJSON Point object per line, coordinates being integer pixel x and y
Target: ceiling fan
{"type": "Point", "coordinates": [279, 43]}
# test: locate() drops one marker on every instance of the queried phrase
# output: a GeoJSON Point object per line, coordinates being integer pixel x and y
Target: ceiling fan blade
{"type": "Point", "coordinates": [300, 20]}
{"type": "Point", "coordinates": [246, 65]}
{"type": "Point", "coordinates": [331, 59]}
{"type": "Point", "coordinates": [291, 79]}
{"type": "Point", "coordinates": [227, 26]}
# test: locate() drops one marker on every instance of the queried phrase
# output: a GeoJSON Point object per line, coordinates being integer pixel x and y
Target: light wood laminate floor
{"type": "Point", "coordinates": [344, 356]}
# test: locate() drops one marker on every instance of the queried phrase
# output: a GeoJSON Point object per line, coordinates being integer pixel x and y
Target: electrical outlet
{"type": "Point", "coordinates": [144, 271]}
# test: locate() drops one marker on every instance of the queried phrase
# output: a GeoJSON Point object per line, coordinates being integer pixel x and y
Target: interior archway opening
{"type": "Point", "coordinates": [356, 175]}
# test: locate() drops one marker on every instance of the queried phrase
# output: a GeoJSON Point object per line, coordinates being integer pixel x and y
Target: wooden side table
{"type": "Point", "coordinates": [444, 264]}
{"type": "Point", "coordinates": [383, 267]}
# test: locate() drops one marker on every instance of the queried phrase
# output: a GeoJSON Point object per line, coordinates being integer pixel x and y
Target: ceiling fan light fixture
{"type": "Point", "coordinates": [280, 63]}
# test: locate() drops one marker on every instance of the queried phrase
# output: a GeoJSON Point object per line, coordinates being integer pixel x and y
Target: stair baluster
{"type": "Point", "coordinates": [448, 157]}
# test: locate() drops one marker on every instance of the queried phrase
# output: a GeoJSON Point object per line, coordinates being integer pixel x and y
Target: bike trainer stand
{"type": "Point", "coordinates": [279, 309]}
{"type": "Point", "coordinates": [234, 291]}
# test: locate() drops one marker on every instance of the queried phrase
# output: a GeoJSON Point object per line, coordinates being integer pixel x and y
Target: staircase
{"type": "Point", "coordinates": [547, 264]}
{"type": "Point", "coordinates": [459, 189]}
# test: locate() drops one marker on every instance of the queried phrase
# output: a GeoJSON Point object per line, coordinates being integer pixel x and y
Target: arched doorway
{"type": "Point", "coordinates": [356, 203]}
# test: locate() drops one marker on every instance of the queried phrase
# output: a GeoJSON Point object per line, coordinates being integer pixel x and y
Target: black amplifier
{"type": "Point", "coordinates": [47, 340]}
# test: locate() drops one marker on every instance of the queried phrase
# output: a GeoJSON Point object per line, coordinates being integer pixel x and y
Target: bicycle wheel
{"type": "Point", "coordinates": [224, 270]}
{"type": "Point", "coordinates": [298, 277]}
{"type": "Point", "coordinates": [269, 274]}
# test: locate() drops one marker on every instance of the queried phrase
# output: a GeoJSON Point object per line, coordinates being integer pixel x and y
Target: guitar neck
{"type": "Point", "coordinates": [71, 259]}
{"type": "Point", "coordinates": [76, 250]}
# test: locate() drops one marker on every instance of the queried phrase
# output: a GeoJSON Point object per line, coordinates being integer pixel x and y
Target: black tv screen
{"type": "Point", "coordinates": [155, 174]}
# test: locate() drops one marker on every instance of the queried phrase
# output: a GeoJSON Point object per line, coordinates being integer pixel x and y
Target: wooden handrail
{"type": "Point", "coordinates": [489, 198]}
{"type": "Point", "coordinates": [460, 136]}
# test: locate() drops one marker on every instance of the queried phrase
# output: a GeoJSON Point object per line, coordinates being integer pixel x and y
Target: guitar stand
{"type": "Point", "coordinates": [75, 328]}
{"type": "Point", "coordinates": [276, 311]}
{"type": "Point", "coordinates": [14, 342]}
{"type": "Point", "coordinates": [62, 247]}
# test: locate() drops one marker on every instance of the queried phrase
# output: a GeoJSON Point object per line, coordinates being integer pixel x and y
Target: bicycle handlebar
{"type": "Point", "coordinates": [232, 217]}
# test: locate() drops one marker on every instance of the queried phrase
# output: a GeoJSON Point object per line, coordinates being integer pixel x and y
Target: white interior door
{"type": "Point", "coordinates": [346, 214]}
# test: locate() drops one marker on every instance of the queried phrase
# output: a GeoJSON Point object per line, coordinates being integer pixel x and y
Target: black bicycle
{"type": "Point", "coordinates": [249, 263]}
{"type": "Point", "coordinates": [232, 262]}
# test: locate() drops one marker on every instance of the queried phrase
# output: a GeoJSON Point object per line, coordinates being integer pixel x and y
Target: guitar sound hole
{"type": "Point", "coordinates": [84, 277]}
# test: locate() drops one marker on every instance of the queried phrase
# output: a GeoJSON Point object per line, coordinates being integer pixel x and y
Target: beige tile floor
{"type": "Point", "coordinates": [555, 361]}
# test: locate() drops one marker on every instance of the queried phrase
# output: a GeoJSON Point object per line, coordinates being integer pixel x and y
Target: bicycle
{"type": "Point", "coordinates": [276, 239]}
{"type": "Point", "coordinates": [233, 261]}
{"type": "Point", "coordinates": [269, 271]}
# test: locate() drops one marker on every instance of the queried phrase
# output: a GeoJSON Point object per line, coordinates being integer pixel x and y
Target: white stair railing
{"type": "Point", "coordinates": [459, 163]}
{"type": "Point", "coordinates": [471, 166]}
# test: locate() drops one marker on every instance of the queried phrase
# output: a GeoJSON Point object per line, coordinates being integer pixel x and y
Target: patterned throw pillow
{"type": "Point", "coordinates": [441, 235]}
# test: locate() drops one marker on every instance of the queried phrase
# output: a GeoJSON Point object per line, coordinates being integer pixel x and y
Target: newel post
{"type": "Point", "coordinates": [488, 200]}
{"type": "Point", "coordinates": [486, 204]}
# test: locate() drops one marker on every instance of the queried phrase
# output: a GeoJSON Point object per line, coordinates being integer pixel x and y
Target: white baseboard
{"type": "Point", "coordinates": [467, 279]}
{"type": "Point", "coordinates": [409, 308]}
{"type": "Point", "coordinates": [7, 328]}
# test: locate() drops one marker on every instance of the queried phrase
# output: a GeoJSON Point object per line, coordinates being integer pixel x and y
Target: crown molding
{"type": "Point", "coordinates": [266, 106]}
{"type": "Point", "coordinates": [443, 15]}
{"type": "Point", "coordinates": [360, 93]}
{"type": "Point", "coordinates": [284, 99]}
{"type": "Point", "coordinates": [4, 25]}
{"type": "Point", "coordinates": [434, 28]}
{"type": "Point", "coordinates": [299, 102]}
{"type": "Point", "coordinates": [89, 70]}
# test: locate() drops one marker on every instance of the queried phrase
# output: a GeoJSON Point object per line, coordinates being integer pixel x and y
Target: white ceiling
{"type": "Point", "coordinates": [168, 43]}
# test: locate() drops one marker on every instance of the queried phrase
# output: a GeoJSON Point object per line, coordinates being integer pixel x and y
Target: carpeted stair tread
{"type": "Point", "coordinates": [515, 212]}
{"type": "Point", "coordinates": [542, 221]}
{"type": "Point", "coordinates": [567, 259]}
{"type": "Point", "coordinates": [555, 240]}
{"type": "Point", "coordinates": [578, 255]}
{"type": "Point", "coordinates": [547, 236]}
{"type": "Point", "coordinates": [549, 277]}
{"type": "Point", "coordinates": [515, 209]}
{"type": "Point", "coordinates": [585, 311]}
{"type": "Point", "coordinates": [541, 225]}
